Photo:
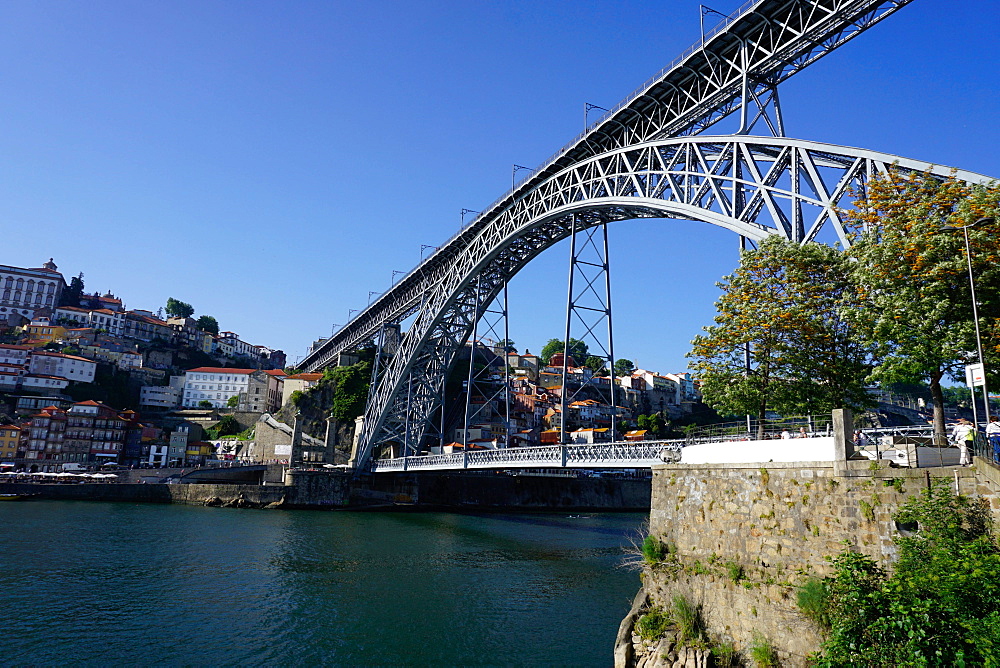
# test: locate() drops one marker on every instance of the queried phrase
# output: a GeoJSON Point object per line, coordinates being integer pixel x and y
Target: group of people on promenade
{"type": "Point", "coordinates": [963, 434]}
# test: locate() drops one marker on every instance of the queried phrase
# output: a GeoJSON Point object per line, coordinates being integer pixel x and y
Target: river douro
{"type": "Point", "coordinates": [112, 584]}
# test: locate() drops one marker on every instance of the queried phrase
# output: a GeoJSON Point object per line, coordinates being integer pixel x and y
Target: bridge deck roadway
{"type": "Point", "coordinates": [622, 455]}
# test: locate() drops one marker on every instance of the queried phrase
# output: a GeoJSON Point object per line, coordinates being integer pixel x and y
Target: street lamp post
{"type": "Point", "coordinates": [975, 308]}
{"type": "Point", "coordinates": [513, 174]}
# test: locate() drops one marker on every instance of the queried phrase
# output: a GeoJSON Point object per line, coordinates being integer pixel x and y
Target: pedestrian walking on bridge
{"type": "Point", "coordinates": [993, 434]}
{"type": "Point", "coordinates": [962, 436]}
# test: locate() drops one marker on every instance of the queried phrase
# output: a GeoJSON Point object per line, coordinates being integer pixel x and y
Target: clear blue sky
{"type": "Point", "coordinates": [272, 162]}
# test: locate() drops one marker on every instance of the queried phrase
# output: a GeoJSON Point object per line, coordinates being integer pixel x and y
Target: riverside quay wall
{"type": "Point", "coordinates": [515, 491]}
{"type": "Point", "coordinates": [331, 490]}
{"type": "Point", "coordinates": [746, 535]}
{"type": "Point", "coordinates": [307, 490]}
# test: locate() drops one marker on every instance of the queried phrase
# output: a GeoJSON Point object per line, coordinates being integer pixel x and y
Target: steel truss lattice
{"type": "Point", "coordinates": [734, 68]}
{"type": "Point", "coordinates": [753, 186]}
{"type": "Point", "coordinates": [588, 306]}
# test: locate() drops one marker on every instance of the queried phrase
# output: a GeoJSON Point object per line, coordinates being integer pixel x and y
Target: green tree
{"type": "Point", "coordinates": [179, 309]}
{"type": "Point", "coordinates": [507, 345]}
{"type": "Point", "coordinates": [654, 423]}
{"type": "Point", "coordinates": [71, 295]}
{"type": "Point", "coordinates": [577, 350]}
{"type": "Point", "coordinates": [941, 604]}
{"type": "Point", "coordinates": [227, 426]}
{"type": "Point", "coordinates": [233, 401]}
{"type": "Point", "coordinates": [787, 302]}
{"type": "Point", "coordinates": [351, 391]}
{"type": "Point", "coordinates": [204, 403]}
{"type": "Point", "coordinates": [624, 367]}
{"type": "Point", "coordinates": [597, 365]}
{"type": "Point", "coordinates": [913, 279]}
{"type": "Point", "coordinates": [207, 323]}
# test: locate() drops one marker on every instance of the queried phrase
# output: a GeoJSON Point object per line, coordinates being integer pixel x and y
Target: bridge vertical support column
{"type": "Point", "coordinates": [843, 439]}
{"type": "Point", "coordinates": [563, 456]}
{"type": "Point", "coordinates": [469, 382]}
{"type": "Point", "coordinates": [491, 325]}
{"type": "Point", "coordinates": [589, 306]}
{"type": "Point", "coordinates": [563, 403]}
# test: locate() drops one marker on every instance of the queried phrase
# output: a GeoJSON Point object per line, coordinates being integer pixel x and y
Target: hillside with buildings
{"type": "Point", "coordinates": [86, 381]}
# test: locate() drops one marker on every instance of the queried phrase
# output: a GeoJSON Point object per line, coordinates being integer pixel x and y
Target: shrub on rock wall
{"type": "Point", "coordinates": [940, 606]}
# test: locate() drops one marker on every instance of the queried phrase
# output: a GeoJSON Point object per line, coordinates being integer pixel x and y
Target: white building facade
{"type": "Point", "coordinates": [160, 396]}
{"type": "Point", "coordinates": [70, 367]}
{"type": "Point", "coordinates": [23, 291]}
{"type": "Point", "coordinates": [215, 385]}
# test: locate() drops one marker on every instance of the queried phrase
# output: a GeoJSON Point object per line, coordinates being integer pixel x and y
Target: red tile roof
{"type": "Point", "coordinates": [68, 357]}
{"type": "Point", "coordinates": [305, 376]}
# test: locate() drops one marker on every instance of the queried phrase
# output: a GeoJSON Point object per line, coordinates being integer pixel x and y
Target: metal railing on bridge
{"type": "Point", "coordinates": [622, 455]}
{"type": "Point", "coordinates": [911, 446]}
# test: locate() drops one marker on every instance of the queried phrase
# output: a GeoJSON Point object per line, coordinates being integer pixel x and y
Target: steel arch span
{"type": "Point", "coordinates": [754, 186]}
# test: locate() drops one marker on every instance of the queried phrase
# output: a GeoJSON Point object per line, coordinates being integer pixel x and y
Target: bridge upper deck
{"type": "Point", "coordinates": [759, 45]}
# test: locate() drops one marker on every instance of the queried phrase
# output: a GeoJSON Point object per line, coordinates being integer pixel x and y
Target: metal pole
{"type": "Point", "coordinates": [746, 346]}
{"type": "Point", "coordinates": [506, 366]}
{"type": "Point", "coordinates": [611, 338]}
{"type": "Point", "coordinates": [406, 432]}
{"type": "Point", "coordinates": [975, 317]}
{"type": "Point", "coordinates": [744, 101]}
{"type": "Point", "coordinates": [472, 361]}
{"type": "Point", "coordinates": [569, 313]}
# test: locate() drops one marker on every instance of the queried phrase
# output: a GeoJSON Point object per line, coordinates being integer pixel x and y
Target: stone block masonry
{"type": "Point", "coordinates": [746, 536]}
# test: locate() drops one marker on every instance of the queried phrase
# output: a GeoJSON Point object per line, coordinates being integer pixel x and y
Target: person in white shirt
{"type": "Point", "coordinates": [960, 436]}
{"type": "Point", "coordinates": [993, 434]}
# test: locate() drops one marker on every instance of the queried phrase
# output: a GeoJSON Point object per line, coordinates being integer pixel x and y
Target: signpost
{"type": "Point", "coordinates": [975, 376]}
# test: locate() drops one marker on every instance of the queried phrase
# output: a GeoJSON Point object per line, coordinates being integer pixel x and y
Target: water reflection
{"type": "Point", "coordinates": [117, 583]}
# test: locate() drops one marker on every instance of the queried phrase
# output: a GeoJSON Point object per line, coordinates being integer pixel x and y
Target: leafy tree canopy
{"type": "Point", "coordinates": [577, 350]}
{"type": "Point", "coordinates": [913, 278]}
{"type": "Point", "coordinates": [227, 426]}
{"type": "Point", "coordinates": [71, 295]}
{"type": "Point", "coordinates": [787, 303]}
{"type": "Point", "coordinates": [233, 401]}
{"type": "Point", "coordinates": [654, 423]}
{"type": "Point", "coordinates": [351, 390]}
{"type": "Point", "coordinates": [207, 323]}
{"type": "Point", "coordinates": [596, 364]}
{"type": "Point", "coordinates": [179, 309]}
{"type": "Point", "coordinates": [204, 403]}
{"type": "Point", "coordinates": [624, 367]}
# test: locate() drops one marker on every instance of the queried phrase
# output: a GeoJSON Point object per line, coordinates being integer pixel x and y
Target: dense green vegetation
{"type": "Point", "coordinates": [341, 393]}
{"type": "Point", "coordinates": [207, 323]}
{"type": "Point", "coordinates": [911, 275]}
{"type": "Point", "coordinates": [939, 607]}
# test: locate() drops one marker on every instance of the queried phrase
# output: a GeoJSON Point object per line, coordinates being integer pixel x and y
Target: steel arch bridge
{"type": "Point", "coordinates": [643, 159]}
{"type": "Point", "coordinates": [753, 186]}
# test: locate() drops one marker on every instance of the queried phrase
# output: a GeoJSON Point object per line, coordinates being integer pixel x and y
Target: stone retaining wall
{"type": "Point", "coordinates": [330, 493]}
{"type": "Point", "coordinates": [746, 535]}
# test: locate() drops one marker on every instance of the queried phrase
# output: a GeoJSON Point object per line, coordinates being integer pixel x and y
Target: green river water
{"type": "Point", "coordinates": [115, 584]}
